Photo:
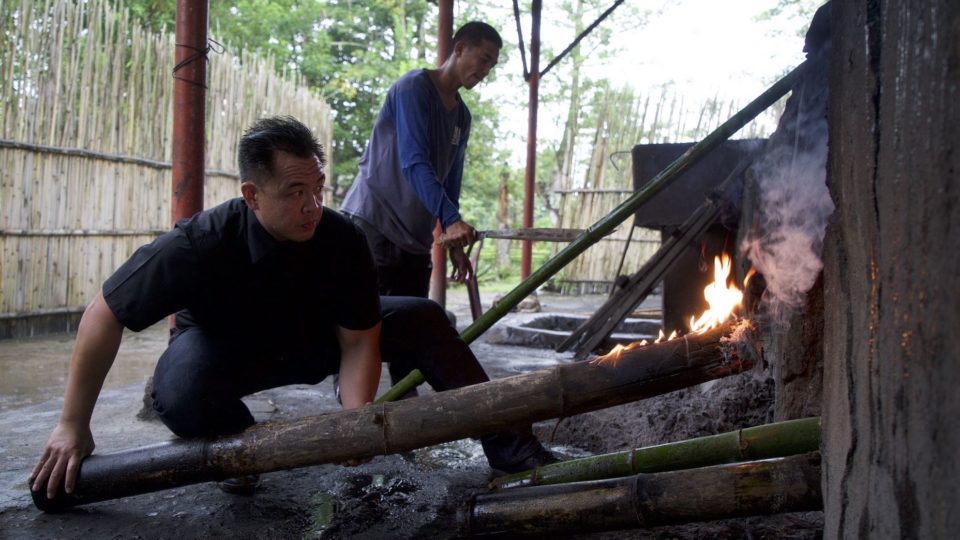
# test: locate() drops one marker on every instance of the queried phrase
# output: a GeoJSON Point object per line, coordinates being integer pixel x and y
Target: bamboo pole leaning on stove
{"type": "Point", "coordinates": [387, 428]}
{"type": "Point", "coordinates": [771, 486]}
{"type": "Point", "coordinates": [609, 222]}
{"type": "Point", "coordinates": [759, 442]}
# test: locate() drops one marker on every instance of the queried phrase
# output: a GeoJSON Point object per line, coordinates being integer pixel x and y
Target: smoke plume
{"type": "Point", "coordinates": [793, 207]}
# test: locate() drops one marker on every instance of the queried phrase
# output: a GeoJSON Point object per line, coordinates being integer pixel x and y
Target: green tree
{"type": "Point", "coordinates": [795, 14]}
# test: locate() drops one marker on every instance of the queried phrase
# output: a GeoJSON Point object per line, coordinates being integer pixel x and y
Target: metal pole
{"type": "Point", "coordinates": [189, 92]}
{"type": "Point", "coordinates": [438, 277]}
{"type": "Point", "coordinates": [529, 177]}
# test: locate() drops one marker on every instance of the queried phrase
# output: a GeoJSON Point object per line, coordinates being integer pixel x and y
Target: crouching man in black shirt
{"type": "Point", "coordinates": [269, 289]}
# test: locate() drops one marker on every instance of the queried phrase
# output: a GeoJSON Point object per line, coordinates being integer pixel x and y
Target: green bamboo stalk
{"type": "Point", "coordinates": [643, 501]}
{"type": "Point", "coordinates": [760, 442]}
{"type": "Point", "coordinates": [612, 220]}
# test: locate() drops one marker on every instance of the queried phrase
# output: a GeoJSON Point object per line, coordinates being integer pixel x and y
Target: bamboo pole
{"type": "Point", "coordinates": [788, 484]}
{"type": "Point", "coordinates": [387, 428]}
{"type": "Point", "coordinates": [603, 227]}
{"type": "Point", "coordinates": [759, 442]}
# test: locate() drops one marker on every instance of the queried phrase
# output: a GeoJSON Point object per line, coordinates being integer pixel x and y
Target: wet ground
{"type": "Point", "coordinates": [410, 495]}
{"type": "Point", "coordinates": [400, 496]}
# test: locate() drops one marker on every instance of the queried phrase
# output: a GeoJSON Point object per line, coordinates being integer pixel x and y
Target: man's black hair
{"type": "Point", "coordinates": [257, 150]}
{"type": "Point", "coordinates": [474, 32]}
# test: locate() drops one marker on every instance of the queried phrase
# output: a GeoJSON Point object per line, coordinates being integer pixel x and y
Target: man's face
{"type": "Point", "coordinates": [476, 61]}
{"type": "Point", "coordinates": [289, 205]}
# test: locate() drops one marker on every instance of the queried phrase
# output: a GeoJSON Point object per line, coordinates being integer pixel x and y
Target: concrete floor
{"type": "Point", "coordinates": [400, 496]}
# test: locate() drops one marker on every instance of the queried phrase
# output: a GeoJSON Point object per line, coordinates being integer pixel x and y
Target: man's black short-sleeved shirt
{"type": "Point", "coordinates": [222, 271]}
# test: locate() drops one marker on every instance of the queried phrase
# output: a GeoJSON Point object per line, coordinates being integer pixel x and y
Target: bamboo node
{"type": "Point", "coordinates": [380, 418]}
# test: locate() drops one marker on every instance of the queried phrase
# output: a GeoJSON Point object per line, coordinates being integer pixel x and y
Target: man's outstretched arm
{"type": "Point", "coordinates": [359, 365]}
{"type": "Point", "coordinates": [98, 338]}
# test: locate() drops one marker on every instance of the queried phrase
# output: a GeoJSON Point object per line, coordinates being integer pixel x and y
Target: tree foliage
{"type": "Point", "coordinates": [349, 51]}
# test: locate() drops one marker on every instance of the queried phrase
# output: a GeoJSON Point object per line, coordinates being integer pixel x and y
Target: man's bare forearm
{"type": "Point", "coordinates": [359, 366]}
{"type": "Point", "coordinates": [98, 339]}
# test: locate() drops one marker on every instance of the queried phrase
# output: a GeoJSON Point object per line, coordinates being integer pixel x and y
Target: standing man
{"type": "Point", "coordinates": [411, 170]}
{"type": "Point", "coordinates": [269, 289]}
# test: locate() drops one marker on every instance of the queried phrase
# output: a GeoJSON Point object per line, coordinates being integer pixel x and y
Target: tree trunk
{"type": "Point", "coordinates": [892, 271]}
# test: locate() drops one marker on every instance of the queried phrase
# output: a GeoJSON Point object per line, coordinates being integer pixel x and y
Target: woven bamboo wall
{"type": "Point", "coordinates": [85, 128]}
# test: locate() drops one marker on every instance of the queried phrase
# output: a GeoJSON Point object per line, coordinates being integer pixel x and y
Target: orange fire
{"type": "Point", "coordinates": [722, 298]}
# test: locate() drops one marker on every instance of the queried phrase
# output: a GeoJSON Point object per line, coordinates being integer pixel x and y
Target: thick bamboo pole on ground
{"type": "Point", "coordinates": [387, 428]}
{"type": "Point", "coordinates": [609, 222]}
{"type": "Point", "coordinates": [772, 486]}
{"type": "Point", "coordinates": [759, 442]}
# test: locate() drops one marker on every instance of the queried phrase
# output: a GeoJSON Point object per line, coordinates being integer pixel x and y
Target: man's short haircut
{"type": "Point", "coordinates": [474, 32]}
{"type": "Point", "coordinates": [256, 153]}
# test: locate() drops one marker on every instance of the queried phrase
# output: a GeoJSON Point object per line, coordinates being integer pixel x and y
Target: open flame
{"type": "Point", "coordinates": [723, 299]}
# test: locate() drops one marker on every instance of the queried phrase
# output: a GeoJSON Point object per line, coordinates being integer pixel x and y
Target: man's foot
{"type": "Point", "coordinates": [538, 459]}
{"type": "Point", "coordinates": [240, 485]}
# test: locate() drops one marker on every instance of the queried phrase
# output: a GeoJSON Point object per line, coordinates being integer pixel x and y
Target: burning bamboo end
{"type": "Point", "coordinates": [392, 427]}
{"type": "Point", "coordinates": [789, 484]}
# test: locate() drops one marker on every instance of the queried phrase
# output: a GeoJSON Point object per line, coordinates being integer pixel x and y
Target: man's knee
{"type": "Point", "coordinates": [191, 412]}
{"type": "Point", "coordinates": [181, 412]}
{"type": "Point", "coordinates": [191, 395]}
{"type": "Point", "coordinates": [414, 314]}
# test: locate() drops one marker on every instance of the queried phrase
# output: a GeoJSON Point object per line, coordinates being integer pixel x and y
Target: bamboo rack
{"type": "Point", "coordinates": [391, 427]}
{"type": "Point", "coordinates": [620, 214]}
{"type": "Point", "coordinates": [626, 117]}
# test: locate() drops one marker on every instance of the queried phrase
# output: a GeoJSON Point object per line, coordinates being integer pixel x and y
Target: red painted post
{"type": "Point", "coordinates": [529, 177]}
{"type": "Point", "coordinates": [438, 278]}
{"type": "Point", "coordinates": [189, 92]}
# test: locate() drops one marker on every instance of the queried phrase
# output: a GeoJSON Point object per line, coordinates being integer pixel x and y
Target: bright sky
{"type": "Point", "coordinates": [713, 45]}
{"type": "Point", "coordinates": [706, 47]}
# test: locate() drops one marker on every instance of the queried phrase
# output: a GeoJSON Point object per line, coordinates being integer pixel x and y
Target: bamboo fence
{"type": "Point", "coordinates": [626, 118]}
{"type": "Point", "coordinates": [85, 146]}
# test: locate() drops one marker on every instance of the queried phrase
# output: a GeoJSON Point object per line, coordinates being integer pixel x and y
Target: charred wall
{"type": "Point", "coordinates": [784, 211]}
{"type": "Point", "coordinates": [892, 271]}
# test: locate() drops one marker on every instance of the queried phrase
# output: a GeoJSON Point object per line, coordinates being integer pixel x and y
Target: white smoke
{"type": "Point", "coordinates": [794, 206]}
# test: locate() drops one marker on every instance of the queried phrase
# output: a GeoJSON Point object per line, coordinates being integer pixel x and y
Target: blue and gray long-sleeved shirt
{"type": "Point", "coordinates": [411, 170]}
